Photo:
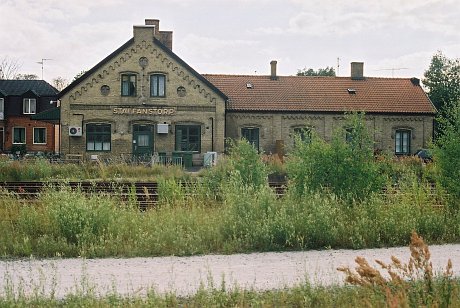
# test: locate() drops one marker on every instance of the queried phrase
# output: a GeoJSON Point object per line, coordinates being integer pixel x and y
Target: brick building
{"type": "Point", "coordinates": [20, 101]}
{"type": "Point", "coordinates": [143, 99]}
{"type": "Point", "coordinates": [269, 110]}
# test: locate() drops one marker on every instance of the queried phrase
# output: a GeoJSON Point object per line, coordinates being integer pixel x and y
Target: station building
{"type": "Point", "coordinates": [143, 99]}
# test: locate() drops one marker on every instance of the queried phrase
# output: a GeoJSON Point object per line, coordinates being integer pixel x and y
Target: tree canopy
{"type": "Point", "coordinates": [328, 71]}
{"type": "Point", "coordinates": [442, 79]}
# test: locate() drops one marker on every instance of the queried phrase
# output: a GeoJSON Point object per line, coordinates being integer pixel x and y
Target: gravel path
{"type": "Point", "coordinates": [184, 275]}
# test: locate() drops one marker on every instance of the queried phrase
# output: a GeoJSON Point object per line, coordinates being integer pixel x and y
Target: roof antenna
{"type": "Point", "coordinates": [42, 62]}
{"type": "Point", "coordinates": [338, 66]}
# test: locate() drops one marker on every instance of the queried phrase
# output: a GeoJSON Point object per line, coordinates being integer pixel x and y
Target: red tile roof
{"type": "Point", "coordinates": [300, 93]}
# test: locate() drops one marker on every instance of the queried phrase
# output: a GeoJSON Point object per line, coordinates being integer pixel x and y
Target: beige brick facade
{"type": "Point", "coordinates": [220, 106]}
{"type": "Point", "coordinates": [274, 127]}
{"type": "Point", "coordinates": [97, 98]}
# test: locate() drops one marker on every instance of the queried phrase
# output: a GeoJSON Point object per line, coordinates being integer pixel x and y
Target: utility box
{"type": "Point", "coordinates": [186, 157]}
{"type": "Point", "coordinates": [210, 159]}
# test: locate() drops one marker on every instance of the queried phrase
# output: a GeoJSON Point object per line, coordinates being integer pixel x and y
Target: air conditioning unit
{"type": "Point", "coordinates": [75, 131]}
{"type": "Point", "coordinates": [210, 159]}
{"type": "Point", "coordinates": [162, 128]}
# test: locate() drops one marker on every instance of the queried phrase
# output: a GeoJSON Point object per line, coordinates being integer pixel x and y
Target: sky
{"type": "Point", "coordinates": [393, 38]}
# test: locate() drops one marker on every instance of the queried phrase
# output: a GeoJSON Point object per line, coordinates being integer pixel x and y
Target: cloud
{"type": "Point", "coordinates": [330, 17]}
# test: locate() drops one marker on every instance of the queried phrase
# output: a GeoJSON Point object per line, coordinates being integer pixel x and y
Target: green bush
{"type": "Point", "coordinates": [447, 154]}
{"type": "Point", "coordinates": [345, 166]}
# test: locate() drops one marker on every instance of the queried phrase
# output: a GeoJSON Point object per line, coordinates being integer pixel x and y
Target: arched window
{"type": "Point", "coordinates": [303, 133]}
{"type": "Point", "coordinates": [402, 141]}
{"type": "Point", "coordinates": [251, 134]}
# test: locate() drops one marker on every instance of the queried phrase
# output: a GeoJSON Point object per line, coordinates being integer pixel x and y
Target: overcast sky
{"type": "Point", "coordinates": [392, 37]}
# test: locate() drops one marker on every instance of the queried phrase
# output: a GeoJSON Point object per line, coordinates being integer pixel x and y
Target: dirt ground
{"type": "Point", "coordinates": [184, 275]}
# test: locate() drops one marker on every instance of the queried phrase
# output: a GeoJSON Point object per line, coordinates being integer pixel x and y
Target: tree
{"type": "Point", "coordinates": [26, 77]}
{"type": "Point", "coordinates": [60, 83]}
{"type": "Point", "coordinates": [442, 79]}
{"type": "Point", "coordinates": [9, 68]}
{"type": "Point", "coordinates": [447, 153]}
{"type": "Point", "coordinates": [328, 71]}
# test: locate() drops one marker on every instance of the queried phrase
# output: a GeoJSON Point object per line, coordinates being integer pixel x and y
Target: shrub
{"type": "Point", "coordinates": [447, 154]}
{"type": "Point", "coordinates": [345, 165]}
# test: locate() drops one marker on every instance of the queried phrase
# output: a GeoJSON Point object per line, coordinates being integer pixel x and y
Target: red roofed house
{"type": "Point", "coordinates": [143, 100]}
{"type": "Point", "coordinates": [268, 110]}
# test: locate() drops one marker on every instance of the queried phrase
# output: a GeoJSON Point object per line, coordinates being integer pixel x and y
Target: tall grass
{"type": "Point", "coordinates": [70, 223]}
{"type": "Point", "coordinates": [43, 170]}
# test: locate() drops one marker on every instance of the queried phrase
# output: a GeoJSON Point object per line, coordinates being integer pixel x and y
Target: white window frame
{"type": "Point", "coordinates": [34, 135]}
{"type": "Point", "coordinates": [2, 108]}
{"type": "Point", "coordinates": [25, 135]}
{"type": "Point", "coordinates": [27, 106]}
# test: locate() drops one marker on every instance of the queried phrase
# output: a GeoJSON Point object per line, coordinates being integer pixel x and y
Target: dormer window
{"type": "Point", "coordinates": [29, 106]}
{"type": "Point", "coordinates": [249, 85]}
{"type": "Point", "coordinates": [157, 85]}
{"type": "Point", "coordinates": [351, 91]}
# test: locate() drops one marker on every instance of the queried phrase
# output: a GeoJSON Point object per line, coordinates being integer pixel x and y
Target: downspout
{"type": "Point", "coordinates": [212, 134]}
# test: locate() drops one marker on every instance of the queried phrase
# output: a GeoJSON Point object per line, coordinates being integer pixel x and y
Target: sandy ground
{"type": "Point", "coordinates": [184, 275]}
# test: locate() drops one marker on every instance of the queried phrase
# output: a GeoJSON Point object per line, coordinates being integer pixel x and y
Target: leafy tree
{"type": "Point", "coordinates": [447, 152]}
{"type": "Point", "coordinates": [328, 71]}
{"type": "Point", "coordinates": [442, 80]}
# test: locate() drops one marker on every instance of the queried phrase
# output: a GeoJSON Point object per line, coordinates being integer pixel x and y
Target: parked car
{"type": "Point", "coordinates": [425, 155]}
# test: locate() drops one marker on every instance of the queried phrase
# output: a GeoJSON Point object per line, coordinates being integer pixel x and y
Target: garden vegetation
{"type": "Point", "coordinates": [338, 195]}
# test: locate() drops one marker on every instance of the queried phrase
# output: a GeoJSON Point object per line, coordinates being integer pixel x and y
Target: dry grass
{"type": "Point", "coordinates": [404, 284]}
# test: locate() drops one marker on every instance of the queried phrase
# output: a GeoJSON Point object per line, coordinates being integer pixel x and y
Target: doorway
{"type": "Point", "coordinates": [1, 139]}
{"type": "Point", "coordinates": [142, 141]}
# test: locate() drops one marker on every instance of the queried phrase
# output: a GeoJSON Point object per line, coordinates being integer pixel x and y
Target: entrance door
{"type": "Point", "coordinates": [1, 139]}
{"type": "Point", "coordinates": [142, 141]}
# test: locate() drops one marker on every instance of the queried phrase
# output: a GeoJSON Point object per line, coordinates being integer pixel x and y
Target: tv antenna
{"type": "Point", "coordinates": [42, 62]}
{"type": "Point", "coordinates": [338, 66]}
{"type": "Point", "coordinates": [393, 69]}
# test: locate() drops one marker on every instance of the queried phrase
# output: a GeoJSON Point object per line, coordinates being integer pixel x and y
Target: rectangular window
{"type": "Point", "coordinates": [29, 106]}
{"type": "Point", "coordinates": [19, 135]}
{"type": "Point", "coordinates": [2, 109]}
{"type": "Point", "coordinates": [39, 135]}
{"type": "Point", "coordinates": [188, 138]}
{"type": "Point", "coordinates": [251, 134]}
{"type": "Point", "coordinates": [157, 85]}
{"type": "Point", "coordinates": [98, 137]}
{"type": "Point", "coordinates": [128, 85]}
{"type": "Point", "coordinates": [402, 142]}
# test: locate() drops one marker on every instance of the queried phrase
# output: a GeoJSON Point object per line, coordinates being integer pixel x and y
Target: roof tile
{"type": "Point", "coordinates": [301, 93]}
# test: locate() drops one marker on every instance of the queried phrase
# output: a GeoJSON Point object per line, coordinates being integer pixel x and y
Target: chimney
{"type": "Point", "coordinates": [151, 30]}
{"type": "Point", "coordinates": [357, 70]}
{"type": "Point", "coordinates": [153, 22]}
{"type": "Point", "coordinates": [273, 70]}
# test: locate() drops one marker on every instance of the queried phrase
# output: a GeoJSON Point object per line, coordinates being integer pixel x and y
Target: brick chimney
{"type": "Point", "coordinates": [150, 30]}
{"type": "Point", "coordinates": [357, 70]}
{"type": "Point", "coordinates": [273, 70]}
